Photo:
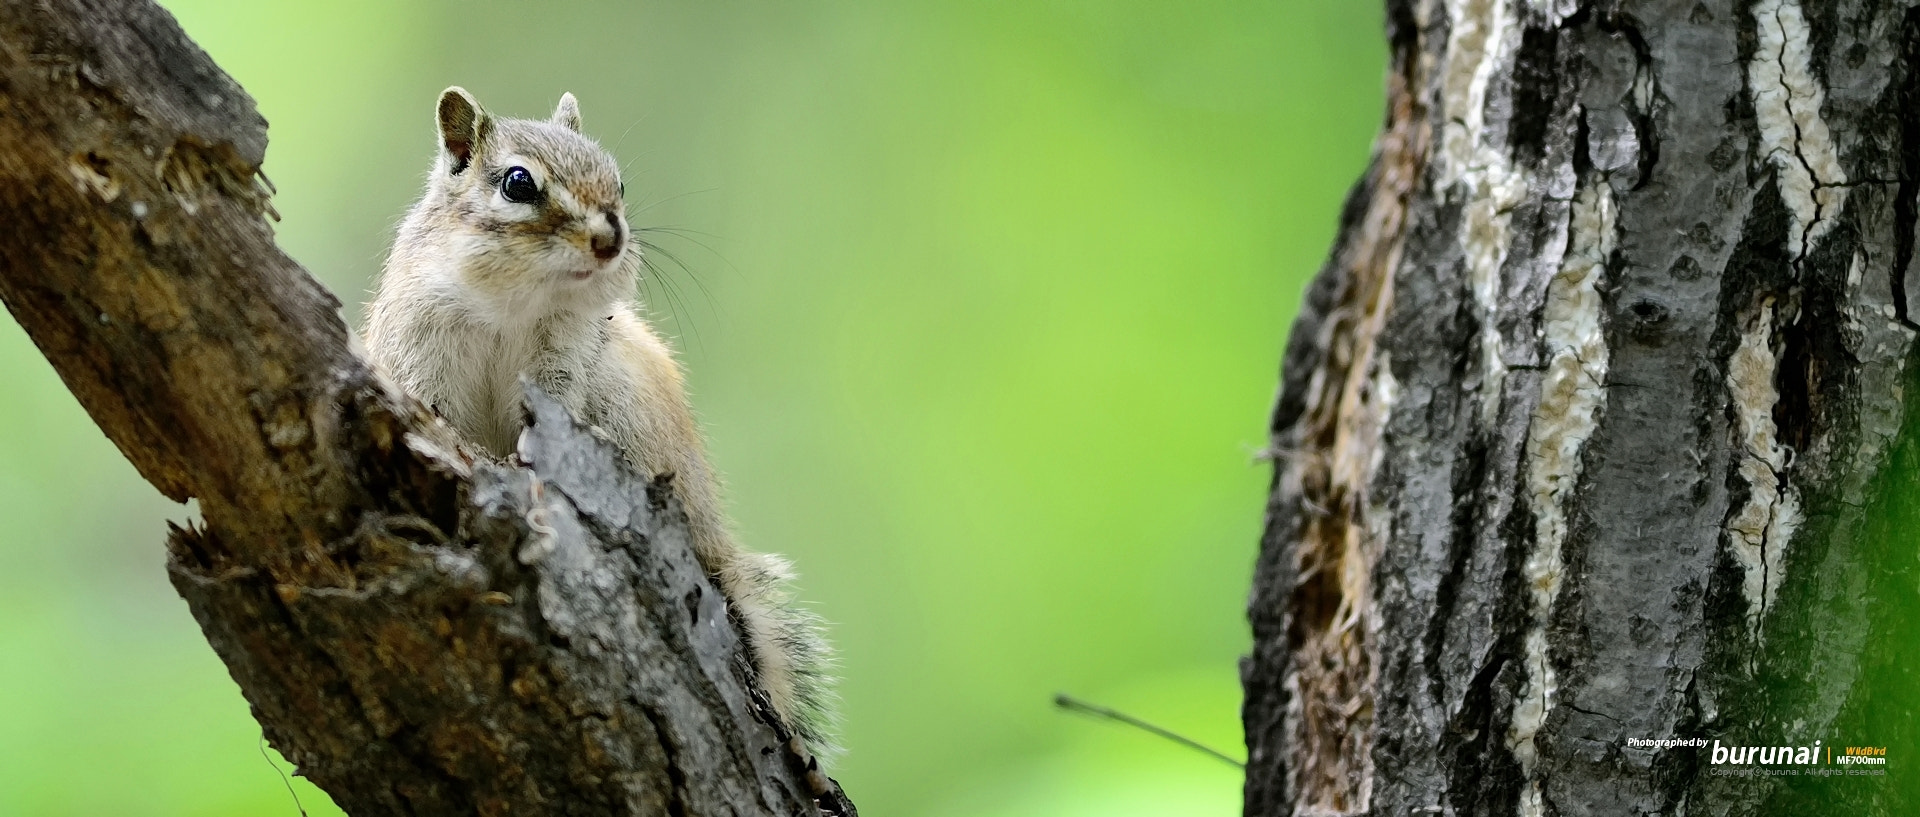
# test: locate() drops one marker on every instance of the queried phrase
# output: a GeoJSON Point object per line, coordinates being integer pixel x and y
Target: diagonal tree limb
{"type": "Point", "coordinates": [420, 633]}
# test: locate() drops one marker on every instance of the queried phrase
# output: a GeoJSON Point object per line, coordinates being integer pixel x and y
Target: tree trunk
{"type": "Point", "coordinates": [419, 632]}
{"type": "Point", "coordinates": [1592, 428]}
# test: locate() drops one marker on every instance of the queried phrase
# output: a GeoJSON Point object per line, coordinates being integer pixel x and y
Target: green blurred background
{"type": "Point", "coordinates": [982, 304]}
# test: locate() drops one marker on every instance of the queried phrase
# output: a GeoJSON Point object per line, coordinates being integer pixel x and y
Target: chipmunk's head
{"type": "Point", "coordinates": [534, 209]}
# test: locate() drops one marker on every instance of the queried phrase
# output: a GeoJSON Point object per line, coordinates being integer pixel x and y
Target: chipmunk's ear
{"type": "Point", "coordinates": [463, 127]}
{"type": "Point", "coordinates": [567, 113]}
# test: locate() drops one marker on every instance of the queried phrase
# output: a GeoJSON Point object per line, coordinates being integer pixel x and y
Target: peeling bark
{"type": "Point", "coordinates": [1647, 329]}
{"type": "Point", "coordinates": [419, 633]}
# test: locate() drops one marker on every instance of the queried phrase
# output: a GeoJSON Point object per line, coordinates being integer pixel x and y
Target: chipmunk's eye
{"type": "Point", "coordinates": [518, 186]}
{"type": "Point", "coordinates": [623, 190]}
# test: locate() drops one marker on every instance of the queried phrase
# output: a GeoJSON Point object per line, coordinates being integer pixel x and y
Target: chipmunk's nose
{"type": "Point", "coordinates": [607, 238]}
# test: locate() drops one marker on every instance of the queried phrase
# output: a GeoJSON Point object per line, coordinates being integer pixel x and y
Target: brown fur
{"type": "Point", "coordinates": [480, 290]}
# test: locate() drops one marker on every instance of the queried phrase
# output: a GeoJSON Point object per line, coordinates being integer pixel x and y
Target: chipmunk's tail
{"type": "Point", "coordinates": [790, 653]}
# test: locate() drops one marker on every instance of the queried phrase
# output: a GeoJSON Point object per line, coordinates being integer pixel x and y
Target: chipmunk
{"type": "Point", "coordinates": [518, 260]}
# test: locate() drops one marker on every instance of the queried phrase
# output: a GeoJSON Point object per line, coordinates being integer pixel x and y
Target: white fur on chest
{"type": "Point", "coordinates": [470, 369]}
{"type": "Point", "coordinates": [477, 370]}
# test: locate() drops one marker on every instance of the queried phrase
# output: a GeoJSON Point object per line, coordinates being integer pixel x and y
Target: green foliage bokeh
{"type": "Point", "coordinates": [982, 304]}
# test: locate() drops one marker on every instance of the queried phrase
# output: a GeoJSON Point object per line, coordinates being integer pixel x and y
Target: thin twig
{"type": "Point", "coordinates": [1072, 704]}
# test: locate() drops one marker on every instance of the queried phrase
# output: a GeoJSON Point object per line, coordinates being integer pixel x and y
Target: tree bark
{"type": "Point", "coordinates": [1593, 427]}
{"type": "Point", "coordinates": [419, 632]}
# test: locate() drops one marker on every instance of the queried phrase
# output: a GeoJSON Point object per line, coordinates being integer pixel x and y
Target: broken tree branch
{"type": "Point", "coordinates": [419, 633]}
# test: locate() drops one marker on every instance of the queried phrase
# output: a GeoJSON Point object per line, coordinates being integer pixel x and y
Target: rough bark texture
{"type": "Point", "coordinates": [419, 633]}
{"type": "Point", "coordinates": [1588, 429]}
